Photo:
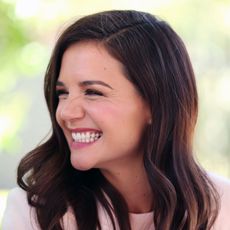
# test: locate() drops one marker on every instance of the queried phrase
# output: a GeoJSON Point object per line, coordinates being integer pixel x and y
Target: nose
{"type": "Point", "coordinates": [71, 109]}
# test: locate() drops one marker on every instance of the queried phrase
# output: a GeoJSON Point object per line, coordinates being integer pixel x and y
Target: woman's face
{"type": "Point", "coordinates": [100, 112]}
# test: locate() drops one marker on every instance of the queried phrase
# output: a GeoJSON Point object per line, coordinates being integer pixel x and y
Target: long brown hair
{"type": "Point", "coordinates": [157, 63]}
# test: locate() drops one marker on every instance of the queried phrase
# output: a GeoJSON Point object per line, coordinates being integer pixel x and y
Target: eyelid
{"type": "Point", "coordinates": [93, 92]}
{"type": "Point", "coordinates": [60, 92]}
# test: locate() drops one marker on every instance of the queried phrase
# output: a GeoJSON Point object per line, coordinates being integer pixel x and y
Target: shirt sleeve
{"type": "Point", "coordinates": [18, 213]}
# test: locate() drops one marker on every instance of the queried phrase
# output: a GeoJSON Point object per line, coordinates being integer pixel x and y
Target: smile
{"type": "Point", "coordinates": [86, 137]}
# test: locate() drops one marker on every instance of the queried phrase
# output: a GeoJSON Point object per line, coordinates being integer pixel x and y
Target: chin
{"type": "Point", "coordinates": [81, 164]}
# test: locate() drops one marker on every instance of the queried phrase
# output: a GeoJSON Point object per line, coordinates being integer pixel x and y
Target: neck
{"type": "Point", "coordinates": [133, 184]}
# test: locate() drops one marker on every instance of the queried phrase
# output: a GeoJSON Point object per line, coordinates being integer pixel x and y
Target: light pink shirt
{"type": "Point", "coordinates": [19, 215]}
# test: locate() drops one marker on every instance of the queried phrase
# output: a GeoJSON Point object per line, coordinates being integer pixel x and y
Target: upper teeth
{"type": "Point", "coordinates": [86, 136]}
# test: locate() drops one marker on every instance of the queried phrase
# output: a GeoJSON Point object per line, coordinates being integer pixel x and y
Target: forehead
{"type": "Point", "coordinates": [90, 59]}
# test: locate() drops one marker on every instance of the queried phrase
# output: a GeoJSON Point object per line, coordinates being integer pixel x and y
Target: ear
{"type": "Point", "coordinates": [150, 121]}
{"type": "Point", "coordinates": [148, 115]}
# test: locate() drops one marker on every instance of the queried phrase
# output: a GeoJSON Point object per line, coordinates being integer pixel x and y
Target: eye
{"type": "Point", "coordinates": [61, 94]}
{"type": "Point", "coordinates": [93, 92]}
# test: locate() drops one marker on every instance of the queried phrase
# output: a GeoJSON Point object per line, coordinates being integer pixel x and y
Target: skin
{"type": "Point", "coordinates": [94, 94]}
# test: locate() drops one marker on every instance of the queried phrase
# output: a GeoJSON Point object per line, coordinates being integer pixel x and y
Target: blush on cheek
{"type": "Point", "coordinates": [58, 115]}
{"type": "Point", "coordinates": [106, 110]}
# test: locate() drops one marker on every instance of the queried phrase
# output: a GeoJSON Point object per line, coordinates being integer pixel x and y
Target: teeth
{"type": "Point", "coordinates": [86, 137]}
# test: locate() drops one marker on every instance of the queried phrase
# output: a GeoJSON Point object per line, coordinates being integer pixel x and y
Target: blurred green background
{"type": "Point", "coordinates": [28, 31]}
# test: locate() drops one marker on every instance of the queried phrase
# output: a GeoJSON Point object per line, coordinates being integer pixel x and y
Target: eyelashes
{"type": "Point", "coordinates": [60, 93]}
{"type": "Point", "coordinates": [63, 94]}
{"type": "Point", "coordinates": [93, 92]}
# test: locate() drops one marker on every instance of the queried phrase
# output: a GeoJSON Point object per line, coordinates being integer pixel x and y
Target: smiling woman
{"type": "Point", "coordinates": [122, 98]}
{"type": "Point", "coordinates": [95, 96]}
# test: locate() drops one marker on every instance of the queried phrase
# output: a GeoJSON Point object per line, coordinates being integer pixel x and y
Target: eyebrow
{"type": "Point", "coordinates": [59, 83]}
{"type": "Point", "coordinates": [87, 83]}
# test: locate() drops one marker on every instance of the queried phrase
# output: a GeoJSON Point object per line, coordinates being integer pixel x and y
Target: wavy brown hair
{"type": "Point", "coordinates": [157, 63]}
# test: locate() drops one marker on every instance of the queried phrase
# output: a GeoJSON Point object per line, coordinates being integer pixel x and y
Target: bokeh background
{"type": "Point", "coordinates": [28, 31]}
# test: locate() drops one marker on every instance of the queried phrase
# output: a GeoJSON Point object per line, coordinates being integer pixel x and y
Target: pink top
{"type": "Point", "coordinates": [19, 215]}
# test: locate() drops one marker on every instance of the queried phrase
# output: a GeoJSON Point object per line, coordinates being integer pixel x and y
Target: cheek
{"type": "Point", "coordinates": [124, 115]}
{"type": "Point", "coordinates": [104, 113]}
{"type": "Point", "coordinates": [58, 115]}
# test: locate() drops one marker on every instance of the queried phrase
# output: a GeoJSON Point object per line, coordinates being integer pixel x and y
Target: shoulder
{"type": "Point", "coordinates": [20, 215]}
{"type": "Point", "coordinates": [18, 212]}
{"type": "Point", "coordinates": [17, 198]}
{"type": "Point", "coordinates": [220, 182]}
{"type": "Point", "coordinates": [17, 195]}
{"type": "Point", "coordinates": [222, 186]}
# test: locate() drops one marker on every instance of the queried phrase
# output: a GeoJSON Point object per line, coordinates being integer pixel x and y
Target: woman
{"type": "Point", "coordinates": [122, 99]}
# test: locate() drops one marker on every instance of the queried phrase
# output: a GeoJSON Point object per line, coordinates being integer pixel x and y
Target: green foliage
{"type": "Point", "coordinates": [21, 58]}
{"type": "Point", "coordinates": [13, 37]}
